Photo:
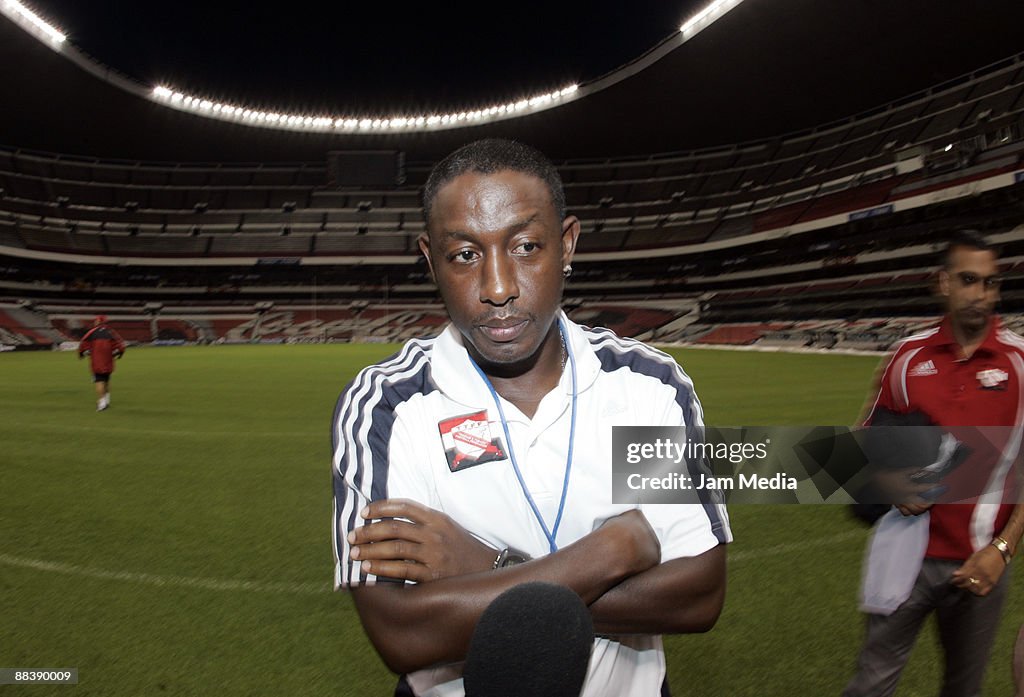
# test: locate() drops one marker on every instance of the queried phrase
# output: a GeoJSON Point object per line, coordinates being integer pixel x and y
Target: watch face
{"type": "Point", "coordinates": [513, 558]}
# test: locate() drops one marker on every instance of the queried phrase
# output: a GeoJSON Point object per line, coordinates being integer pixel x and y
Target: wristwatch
{"type": "Point", "coordinates": [1004, 548]}
{"type": "Point", "coordinates": [510, 556]}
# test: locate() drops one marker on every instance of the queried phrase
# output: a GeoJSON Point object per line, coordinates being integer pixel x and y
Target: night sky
{"type": "Point", "coordinates": [768, 68]}
{"type": "Point", "coordinates": [371, 55]}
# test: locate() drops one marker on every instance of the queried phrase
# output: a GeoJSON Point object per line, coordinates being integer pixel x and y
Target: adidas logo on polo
{"type": "Point", "coordinates": [922, 369]}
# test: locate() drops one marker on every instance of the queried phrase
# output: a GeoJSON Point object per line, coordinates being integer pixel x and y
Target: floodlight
{"type": "Point", "coordinates": [32, 22]}
{"type": "Point", "coordinates": [706, 17]}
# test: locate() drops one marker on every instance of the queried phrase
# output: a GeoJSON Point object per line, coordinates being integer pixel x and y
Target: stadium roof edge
{"type": "Point", "coordinates": [1011, 62]}
{"type": "Point", "coordinates": [738, 85]}
{"type": "Point", "coordinates": [356, 123]}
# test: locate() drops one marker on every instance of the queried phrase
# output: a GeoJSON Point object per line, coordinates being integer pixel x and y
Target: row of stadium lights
{"type": "Point", "coordinates": [230, 112]}
{"type": "Point", "coordinates": [356, 125]}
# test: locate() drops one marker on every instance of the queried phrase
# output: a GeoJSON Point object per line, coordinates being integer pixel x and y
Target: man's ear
{"type": "Point", "coordinates": [570, 235]}
{"type": "Point", "coordinates": [424, 243]}
{"type": "Point", "coordinates": [943, 283]}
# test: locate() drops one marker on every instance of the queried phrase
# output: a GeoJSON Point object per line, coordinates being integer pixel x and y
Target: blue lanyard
{"type": "Point", "coordinates": [549, 534]}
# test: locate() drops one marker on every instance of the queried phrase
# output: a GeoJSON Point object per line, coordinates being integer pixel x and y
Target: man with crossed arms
{"type": "Point", "coordinates": [484, 455]}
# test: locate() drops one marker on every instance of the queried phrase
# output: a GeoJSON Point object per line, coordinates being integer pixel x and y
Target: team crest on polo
{"type": "Point", "coordinates": [467, 441]}
{"type": "Point", "coordinates": [992, 379]}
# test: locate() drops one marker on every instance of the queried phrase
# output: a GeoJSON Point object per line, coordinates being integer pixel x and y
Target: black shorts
{"type": "Point", "coordinates": [101, 377]}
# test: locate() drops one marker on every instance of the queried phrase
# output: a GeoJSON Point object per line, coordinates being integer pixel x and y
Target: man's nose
{"type": "Point", "coordinates": [498, 284]}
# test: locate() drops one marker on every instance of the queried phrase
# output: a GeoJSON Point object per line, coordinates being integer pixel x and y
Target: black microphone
{"type": "Point", "coordinates": [533, 640]}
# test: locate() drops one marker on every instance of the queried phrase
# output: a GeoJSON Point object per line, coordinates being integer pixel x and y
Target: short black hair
{"type": "Point", "coordinates": [970, 239]}
{"type": "Point", "coordinates": [487, 157]}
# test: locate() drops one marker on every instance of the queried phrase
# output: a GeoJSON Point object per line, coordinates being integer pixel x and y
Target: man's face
{"type": "Point", "coordinates": [970, 284]}
{"type": "Point", "coordinates": [496, 249]}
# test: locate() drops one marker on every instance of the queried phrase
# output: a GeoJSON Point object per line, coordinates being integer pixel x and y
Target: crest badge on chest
{"type": "Point", "coordinates": [992, 379]}
{"type": "Point", "coordinates": [468, 442]}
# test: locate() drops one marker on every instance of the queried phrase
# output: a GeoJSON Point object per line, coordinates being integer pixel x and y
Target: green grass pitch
{"type": "Point", "coordinates": [179, 543]}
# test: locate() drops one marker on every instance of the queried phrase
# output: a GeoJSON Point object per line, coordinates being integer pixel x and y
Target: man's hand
{"type": "Point", "coordinates": [426, 546]}
{"type": "Point", "coordinates": [635, 540]}
{"type": "Point", "coordinates": [896, 485]}
{"type": "Point", "coordinates": [981, 572]}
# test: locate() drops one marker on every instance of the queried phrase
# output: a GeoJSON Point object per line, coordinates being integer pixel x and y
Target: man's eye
{"type": "Point", "coordinates": [527, 247]}
{"type": "Point", "coordinates": [464, 255]}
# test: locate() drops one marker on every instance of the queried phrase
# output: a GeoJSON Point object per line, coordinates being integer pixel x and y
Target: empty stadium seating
{"type": "Point", "coordinates": [731, 225]}
{"type": "Point", "coordinates": [91, 206]}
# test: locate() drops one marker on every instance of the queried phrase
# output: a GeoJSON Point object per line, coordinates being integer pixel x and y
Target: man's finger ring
{"type": "Point", "coordinates": [973, 581]}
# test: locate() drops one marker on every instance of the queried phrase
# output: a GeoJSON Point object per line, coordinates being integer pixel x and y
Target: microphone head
{"type": "Point", "coordinates": [533, 640]}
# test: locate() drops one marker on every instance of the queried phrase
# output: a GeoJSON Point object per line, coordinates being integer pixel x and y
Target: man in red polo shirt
{"type": "Point", "coordinates": [102, 344]}
{"type": "Point", "coordinates": [968, 371]}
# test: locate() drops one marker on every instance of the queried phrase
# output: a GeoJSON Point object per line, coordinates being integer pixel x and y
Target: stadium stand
{"type": "Point", "coordinates": [835, 223]}
{"type": "Point", "coordinates": [882, 156]}
{"type": "Point", "coordinates": [19, 327]}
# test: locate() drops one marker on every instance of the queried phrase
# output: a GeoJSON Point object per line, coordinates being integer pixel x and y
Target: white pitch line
{"type": "Point", "coordinates": [216, 584]}
{"type": "Point", "coordinates": [220, 584]}
{"type": "Point", "coordinates": [102, 428]}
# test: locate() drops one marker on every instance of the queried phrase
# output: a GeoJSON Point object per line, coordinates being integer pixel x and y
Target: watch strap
{"type": "Point", "coordinates": [1004, 548]}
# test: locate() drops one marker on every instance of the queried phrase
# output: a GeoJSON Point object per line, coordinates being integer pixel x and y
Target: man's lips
{"type": "Point", "coordinates": [503, 330]}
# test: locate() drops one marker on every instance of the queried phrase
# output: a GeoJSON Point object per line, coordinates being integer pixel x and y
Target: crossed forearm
{"type": "Point", "coordinates": [680, 596]}
{"type": "Point", "coordinates": [414, 627]}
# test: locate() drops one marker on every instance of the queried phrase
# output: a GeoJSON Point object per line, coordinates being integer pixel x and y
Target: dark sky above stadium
{"type": "Point", "coordinates": [768, 68]}
{"type": "Point", "coordinates": [373, 55]}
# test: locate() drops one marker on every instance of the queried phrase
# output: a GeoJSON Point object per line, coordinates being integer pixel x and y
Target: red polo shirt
{"type": "Point", "coordinates": [927, 373]}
